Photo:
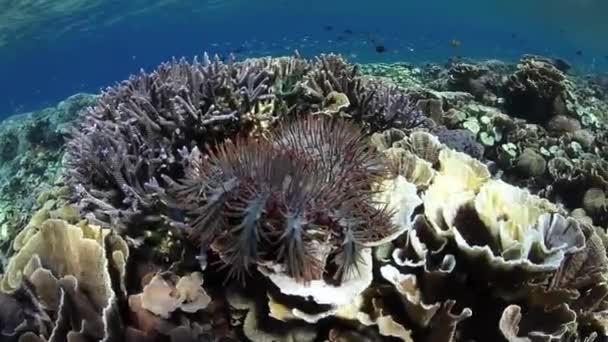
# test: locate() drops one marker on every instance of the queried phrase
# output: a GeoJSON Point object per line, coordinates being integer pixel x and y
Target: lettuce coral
{"type": "Point", "coordinates": [66, 269]}
{"type": "Point", "coordinates": [458, 180]}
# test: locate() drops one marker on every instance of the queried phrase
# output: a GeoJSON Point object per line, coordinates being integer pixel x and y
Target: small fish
{"type": "Point", "coordinates": [562, 64]}
{"type": "Point", "coordinates": [328, 28]}
{"type": "Point", "coordinates": [455, 43]}
{"type": "Point", "coordinates": [380, 48]}
{"type": "Point", "coordinates": [239, 49]}
{"type": "Point", "coordinates": [348, 31]}
{"type": "Point", "coordinates": [340, 38]}
{"type": "Point", "coordinates": [579, 52]}
{"type": "Point", "coordinates": [514, 35]}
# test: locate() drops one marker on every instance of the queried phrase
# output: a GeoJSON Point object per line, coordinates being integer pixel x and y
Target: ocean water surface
{"type": "Point", "coordinates": [52, 49]}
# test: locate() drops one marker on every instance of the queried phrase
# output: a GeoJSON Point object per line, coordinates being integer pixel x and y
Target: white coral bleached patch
{"type": "Point", "coordinates": [459, 178]}
{"type": "Point", "coordinates": [162, 298]}
{"type": "Point", "coordinates": [508, 211]}
{"type": "Point", "coordinates": [401, 198]}
{"type": "Point", "coordinates": [355, 281]}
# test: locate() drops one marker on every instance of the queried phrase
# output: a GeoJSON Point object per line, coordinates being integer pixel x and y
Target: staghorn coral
{"type": "Point", "coordinates": [136, 130]}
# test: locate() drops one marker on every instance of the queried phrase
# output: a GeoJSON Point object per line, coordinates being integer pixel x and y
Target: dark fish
{"type": "Point", "coordinates": [340, 38]}
{"type": "Point", "coordinates": [328, 28]}
{"type": "Point", "coordinates": [380, 48]}
{"type": "Point", "coordinates": [579, 52]}
{"type": "Point", "coordinates": [513, 35]}
{"type": "Point", "coordinates": [562, 64]}
{"type": "Point", "coordinates": [239, 49]}
{"type": "Point", "coordinates": [348, 31]}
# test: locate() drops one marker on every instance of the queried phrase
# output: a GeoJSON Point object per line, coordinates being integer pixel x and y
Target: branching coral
{"type": "Point", "coordinates": [137, 129]}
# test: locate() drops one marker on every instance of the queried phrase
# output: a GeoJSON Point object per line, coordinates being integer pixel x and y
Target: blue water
{"type": "Point", "coordinates": [52, 57]}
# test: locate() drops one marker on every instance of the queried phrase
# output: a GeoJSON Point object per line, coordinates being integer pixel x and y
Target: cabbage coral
{"type": "Point", "coordinates": [508, 211]}
{"type": "Point", "coordinates": [479, 236]}
{"type": "Point", "coordinates": [456, 184]}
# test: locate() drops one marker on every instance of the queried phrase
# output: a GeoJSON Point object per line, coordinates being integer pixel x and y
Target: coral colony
{"type": "Point", "coordinates": [286, 199]}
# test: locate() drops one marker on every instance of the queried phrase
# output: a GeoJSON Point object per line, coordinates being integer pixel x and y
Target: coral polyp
{"type": "Point", "coordinates": [302, 198]}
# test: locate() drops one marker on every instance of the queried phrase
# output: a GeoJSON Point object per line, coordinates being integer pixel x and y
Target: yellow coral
{"type": "Point", "coordinates": [456, 184]}
{"type": "Point", "coordinates": [415, 169]}
{"type": "Point", "coordinates": [508, 211]}
{"type": "Point", "coordinates": [162, 297]}
{"type": "Point", "coordinates": [64, 250]}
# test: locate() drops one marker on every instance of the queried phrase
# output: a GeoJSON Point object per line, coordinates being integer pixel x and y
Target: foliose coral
{"type": "Point", "coordinates": [65, 271]}
{"type": "Point", "coordinates": [536, 91]}
{"type": "Point", "coordinates": [511, 239]}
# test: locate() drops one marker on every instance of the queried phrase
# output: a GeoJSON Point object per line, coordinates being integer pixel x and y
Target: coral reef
{"type": "Point", "coordinates": [31, 149]}
{"type": "Point", "coordinates": [139, 129]}
{"type": "Point", "coordinates": [285, 199]}
{"type": "Point", "coordinates": [536, 91]}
